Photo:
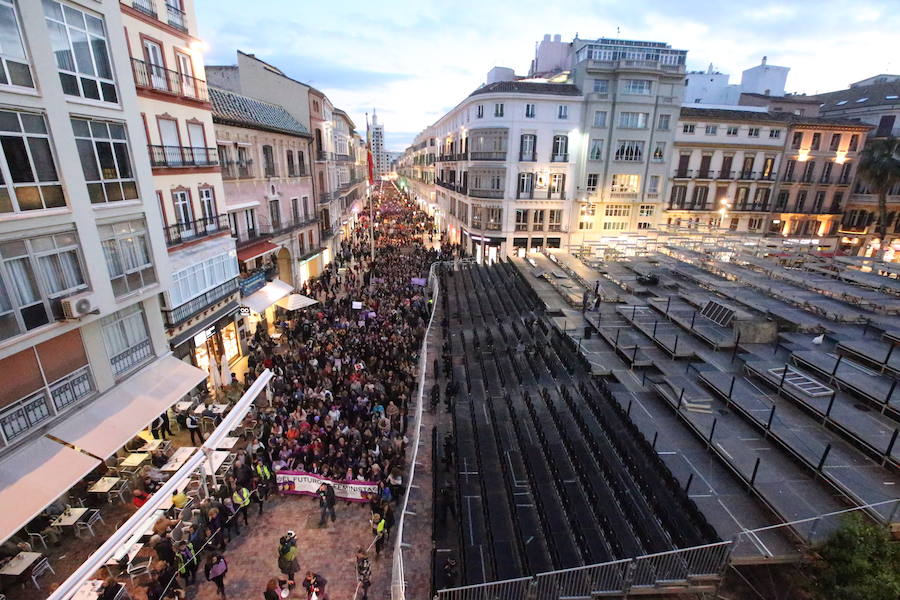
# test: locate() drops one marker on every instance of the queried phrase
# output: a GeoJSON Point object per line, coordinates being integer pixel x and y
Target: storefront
{"type": "Point", "coordinates": [487, 248]}
{"type": "Point", "coordinates": [260, 304]}
{"type": "Point", "coordinates": [216, 336]}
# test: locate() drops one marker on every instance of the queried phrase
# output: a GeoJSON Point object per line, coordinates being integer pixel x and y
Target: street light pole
{"type": "Point", "coordinates": [372, 226]}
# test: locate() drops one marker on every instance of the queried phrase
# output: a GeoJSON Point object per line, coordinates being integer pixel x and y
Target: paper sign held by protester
{"type": "Point", "coordinates": [418, 281]}
{"type": "Point", "coordinates": [307, 484]}
{"type": "Point", "coordinates": [357, 305]}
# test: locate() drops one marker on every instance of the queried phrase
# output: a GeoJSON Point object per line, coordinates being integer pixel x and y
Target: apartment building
{"type": "Point", "coordinates": [200, 310]}
{"type": "Point", "coordinates": [269, 201]}
{"type": "Point", "coordinates": [875, 101]}
{"type": "Point", "coordinates": [351, 165]}
{"type": "Point", "coordinates": [380, 158]}
{"type": "Point", "coordinates": [82, 254]}
{"type": "Point", "coordinates": [416, 171]}
{"type": "Point", "coordinates": [321, 118]}
{"type": "Point", "coordinates": [632, 93]}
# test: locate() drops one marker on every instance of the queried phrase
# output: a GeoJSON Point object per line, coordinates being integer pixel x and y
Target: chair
{"type": "Point", "coordinates": [135, 570]}
{"type": "Point", "coordinates": [32, 536]}
{"type": "Point", "coordinates": [207, 424]}
{"type": "Point", "coordinates": [42, 566]}
{"type": "Point", "coordinates": [92, 516]}
{"type": "Point", "coordinates": [118, 492]}
{"type": "Point", "coordinates": [173, 423]}
{"type": "Point", "coordinates": [176, 534]}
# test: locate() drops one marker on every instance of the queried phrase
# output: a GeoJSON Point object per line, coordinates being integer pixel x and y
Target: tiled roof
{"type": "Point", "coordinates": [877, 94]}
{"type": "Point", "coordinates": [234, 109]}
{"type": "Point", "coordinates": [779, 117]}
{"type": "Point", "coordinates": [528, 87]}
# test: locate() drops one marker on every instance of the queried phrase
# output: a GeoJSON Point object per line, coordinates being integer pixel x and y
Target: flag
{"type": "Point", "coordinates": [369, 160]}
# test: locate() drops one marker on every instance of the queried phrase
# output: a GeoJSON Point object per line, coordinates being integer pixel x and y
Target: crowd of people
{"type": "Point", "coordinates": [344, 375]}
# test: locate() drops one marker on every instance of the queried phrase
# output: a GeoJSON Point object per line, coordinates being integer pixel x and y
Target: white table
{"type": "Point", "coordinates": [90, 590]}
{"type": "Point", "coordinates": [20, 563]}
{"type": "Point", "coordinates": [104, 484]}
{"type": "Point", "coordinates": [135, 459]}
{"type": "Point", "coordinates": [69, 517]}
{"type": "Point", "coordinates": [178, 458]}
{"type": "Point", "coordinates": [216, 408]}
{"type": "Point", "coordinates": [228, 443]}
{"type": "Point", "coordinates": [150, 446]}
{"type": "Point", "coordinates": [218, 457]}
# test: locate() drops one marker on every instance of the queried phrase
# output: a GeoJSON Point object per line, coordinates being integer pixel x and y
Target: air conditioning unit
{"type": "Point", "coordinates": [78, 306]}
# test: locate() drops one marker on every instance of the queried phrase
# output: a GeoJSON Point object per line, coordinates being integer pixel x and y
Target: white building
{"type": "Point", "coordinates": [82, 255]}
{"type": "Point", "coordinates": [712, 87]}
{"type": "Point", "coordinates": [382, 162]}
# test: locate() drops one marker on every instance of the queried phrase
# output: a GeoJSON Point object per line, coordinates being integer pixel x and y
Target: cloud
{"type": "Point", "coordinates": [413, 61]}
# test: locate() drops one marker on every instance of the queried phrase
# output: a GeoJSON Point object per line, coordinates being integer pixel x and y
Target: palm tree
{"type": "Point", "coordinates": [879, 168]}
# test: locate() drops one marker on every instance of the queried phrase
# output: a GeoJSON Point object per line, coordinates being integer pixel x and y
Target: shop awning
{"type": "Point", "coordinates": [33, 477]}
{"type": "Point", "coordinates": [271, 293]}
{"type": "Point", "coordinates": [256, 250]}
{"type": "Point", "coordinates": [106, 424]}
{"type": "Point", "coordinates": [296, 302]}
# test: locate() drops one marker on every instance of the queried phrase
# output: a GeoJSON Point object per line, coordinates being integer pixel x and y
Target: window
{"type": "Point", "coordinates": [687, 128]}
{"type": "Point", "coordinates": [208, 205]}
{"type": "Point", "coordinates": [854, 143]}
{"type": "Point", "coordinates": [599, 118]}
{"type": "Point", "coordinates": [79, 43]}
{"type": "Point", "coordinates": [816, 141]}
{"type": "Point", "coordinates": [498, 110]}
{"type": "Point", "coordinates": [126, 248]}
{"type": "Point", "coordinates": [201, 277]}
{"type": "Point", "coordinates": [835, 141]}
{"type": "Point", "coordinates": [731, 130]}
{"type": "Point", "coordinates": [24, 415]}
{"type": "Point", "coordinates": [659, 152]}
{"type": "Point", "coordinates": [14, 69]}
{"type": "Point", "coordinates": [184, 212]}
{"type": "Point", "coordinates": [796, 140]}
{"type": "Point", "coordinates": [637, 86]}
{"type": "Point", "coordinates": [630, 150]}
{"type": "Point", "coordinates": [588, 210]}
{"type": "Point", "coordinates": [754, 223]}
{"type": "Point", "coordinates": [653, 184]}
{"type": "Point", "coordinates": [646, 210]}
{"type": "Point", "coordinates": [633, 120]}
{"type": "Point", "coordinates": [585, 224]}
{"type": "Point", "coordinates": [663, 122]}
{"type": "Point", "coordinates": [479, 111]}
{"type": "Point", "coordinates": [126, 338]}
{"type": "Point", "coordinates": [562, 112]}
{"type": "Point", "coordinates": [35, 273]}
{"type": "Point", "coordinates": [560, 148]}
{"type": "Point", "coordinates": [753, 132]}
{"type": "Point", "coordinates": [625, 183]}
{"type": "Point", "coordinates": [601, 86]}
{"type": "Point", "coordinates": [529, 111]}
{"type": "Point", "coordinates": [774, 134]}
{"type": "Point", "coordinates": [615, 225]}
{"type": "Point", "coordinates": [592, 182]}
{"type": "Point", "coordinates": [644, 225]}
{"type": "Point", "coordinates": [555, 220]}
{"type": "Point", "coordinates": [596, 150]}
{"type": "Point", "coordinates": [27, 163]}
{"type": "Point", "coordinates": [557, 184]}
{"type": "Point", "coordinates": [527, 147]}
{"type": "Point", "coordinates": [103, 150]}
{"type": "Point", "coordinates": [290, 164]}
{"type": "Point", "coordinates": [522, 219]}
{"type": "Point", "coordinates": [268, 161]}
{"type": "Point", "coordinates": [712, 129]}
{"type": "Point", "coordinates": [617, 210]}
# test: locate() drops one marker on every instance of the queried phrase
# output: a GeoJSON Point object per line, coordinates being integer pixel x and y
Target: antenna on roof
{"type": "Point", "coordinates": [618, 31]}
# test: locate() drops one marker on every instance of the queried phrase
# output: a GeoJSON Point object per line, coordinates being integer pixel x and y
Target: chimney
{"type": "Point", "coordinates": [764, 59]}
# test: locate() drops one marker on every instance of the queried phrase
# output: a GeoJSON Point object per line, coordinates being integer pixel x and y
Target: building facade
{"type": "Point", "coordinates": [84, 256]}
{"type": "Point", "coordinates": [200, 310]}
{"type": "Point", "coordinates": [380, 158]}
{"type": "Point", "coordinates": [269, 200]}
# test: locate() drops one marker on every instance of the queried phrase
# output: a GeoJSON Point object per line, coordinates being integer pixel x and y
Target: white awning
{"type": "Point", "coordinates": [271, 293]}
{"type": "Point", "coordinates": [296, 302]}
{"type": "Point", "coordinates": [106, 424]}
{"type": "Point", "coordinates": [33, 477]}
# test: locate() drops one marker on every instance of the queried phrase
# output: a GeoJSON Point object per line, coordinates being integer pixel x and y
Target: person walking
{"type": "Point", "coordinates": [378, 526]}
{"type": "Point", "coordinates": [287, 556]}
{"type": "Point", "coordinates": [215, 571]}
{"type": "Point", "coordinates": [327, 500]}
{"type": "Point", "coordinates": [241, 499]}
{"type": "Point", "coordinates": [187, 562]}
{"type": "Point", "coordinates": [363, 572]}
{"type": "Point", "coordinates": [193, 427]}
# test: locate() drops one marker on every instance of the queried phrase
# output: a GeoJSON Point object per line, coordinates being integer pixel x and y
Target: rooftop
{"type": "Point", "coordinates": [878, 94]}
{"type": "Point", "coordinates": [528, 87]}
{"type": "Point", "coordinates": [230, 108]}
{"type": "Point", "coordinates": [771, 117]}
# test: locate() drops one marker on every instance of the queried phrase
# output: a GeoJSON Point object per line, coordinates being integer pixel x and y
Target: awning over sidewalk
{"type": "Point", "coordinates": [34, 476]}
{"type": "Point", "coordinates": [271, 293]}
{"type": "Point", "coordinates": [296, 302]}
{"type": "Point", "coordinates": [106, 424]}
{"type": "Point", "coordinates": [256, 250]}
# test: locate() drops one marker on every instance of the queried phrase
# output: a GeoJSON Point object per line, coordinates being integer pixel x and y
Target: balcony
{"type": "Point", "coordinates": [178, 315]}
{"type": "Point", "coordinates": [174, 16]}
{"type": "Point", "coordinates": [704, 174]}
{"type": "Point", "coordinates": [326, 197]}
{"type": "Point", "coordinates": [766, 177]}
{"type": "Point", "coordinates": [153, 77]}
{"type": "Point", "coordinates": [746, 175]}
{"type": "Point", "coordinates": [631, 64]}
{"type": "Point", "coordinates": [560, 157]}
{"type": "Point", "coordinates": [264, 230]}
{"type": "Point", "coordinates": [487, 155]}
{"type": "Point", "coordinates": [683, 174]}
{"type": "Point", "coordinates": [525, 194]}
{"type": "Point", "coordinates": [342, 157]}
{"type": "Point", "coordinates": [238, 170]}
{"type": "Point", "coordinates": [495, 194]}
{"type": "Point", "coordinates": [182, 156]}
{"type": "Point", "coordinates": [527, 156]}
{"type": "Point", "coordinates": [725, 175]}
{"type": "Point", "coordinates": [180, 233]}
{"type": "Point", "coordinates": [321, 155]}
{"type": "Point", "coordinates": [452, 186]}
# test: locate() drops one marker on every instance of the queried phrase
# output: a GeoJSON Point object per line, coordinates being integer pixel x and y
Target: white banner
{"type": "Point", "coordinates": [307, 484]}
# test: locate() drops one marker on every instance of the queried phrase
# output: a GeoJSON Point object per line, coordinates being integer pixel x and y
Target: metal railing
{"type": "Point", "coordinates": [155, 77]}
{"type": "Point", "coordinates": [487, 155]}
{"type": "Point", "coordinates": [267, 230]}
{"type": "Point", "coordinates": [698, 567]}
{"type": "Point", "coordinates": [198, 228]}
{"type": "Point", "coordinates": [485, 193]}
{"type": "Point", "coordinates": [238, 170]}
{"type": "Point", "coordinates": [127, 360]}
{"type": "Point", "coordinates": [182, 156]}
{"type": "Point", "coordinates": [560, 157]}
{"type": "Point", "coordinates": [145, 6]}
{"type": "Point", "coordinates": [176, 17]}
{"type": "Point", "coordinates": [178, 315]}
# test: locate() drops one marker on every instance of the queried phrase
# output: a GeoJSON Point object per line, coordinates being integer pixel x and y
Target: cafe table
{"type": "Point", "coordinates": [20, 563]}
{"type": "Point", "coordinates": [69, 517]}
{"type": "Point", "coordinates": [178, 458]}
{"type": "Point", "coordinates": [104, 484]}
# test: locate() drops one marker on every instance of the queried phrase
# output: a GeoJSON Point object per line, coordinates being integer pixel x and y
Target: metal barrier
{"type": "Point", "coordinates": [687, 569]}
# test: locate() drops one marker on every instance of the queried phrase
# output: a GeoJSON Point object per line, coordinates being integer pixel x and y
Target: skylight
{"type": "Point", "coordinates": [841, 103]}
{"type": "Point", "coordinates": [890, 97]}
{"type": "Point", "coordinates": [862, 99]}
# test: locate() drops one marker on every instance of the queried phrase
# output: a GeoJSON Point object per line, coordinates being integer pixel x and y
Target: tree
{"type": "Point", "coordinates": [859, 561]}
{"type": "Point", "coordinates": [879, 168]}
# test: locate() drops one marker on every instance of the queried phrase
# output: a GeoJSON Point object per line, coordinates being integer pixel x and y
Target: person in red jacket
{"type": "Point", "coordinates": [139, 498]}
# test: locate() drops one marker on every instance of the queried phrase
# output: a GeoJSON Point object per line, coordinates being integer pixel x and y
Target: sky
{"type": "Point", "coordinates": [414, 61]}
